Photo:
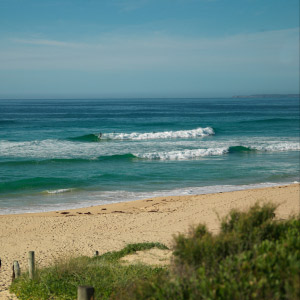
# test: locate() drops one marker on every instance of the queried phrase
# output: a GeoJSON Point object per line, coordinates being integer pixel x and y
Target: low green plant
{"type": "Point", "coordinates": [105, 273]}
{"type": "Point", "coordinates": [253, 257]}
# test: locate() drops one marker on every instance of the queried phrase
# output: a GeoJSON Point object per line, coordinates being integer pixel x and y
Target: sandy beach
{"type": "Point", "coordinates": [110, 227]}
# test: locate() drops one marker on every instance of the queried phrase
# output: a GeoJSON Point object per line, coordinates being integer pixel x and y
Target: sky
{"type": "Point", "coordinates": [148, 48]}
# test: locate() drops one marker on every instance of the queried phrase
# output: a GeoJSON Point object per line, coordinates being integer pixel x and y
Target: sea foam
{"type": "Point", "coordinates": [187, 154]}
{"type": "Point", "coordinates": [194, 133]}
{"type": "Point", "coordinates": [59, 191]}
{"type": "Point", "coordinates": [61, 149]}
{"type": "Point", "coordinates": [276, 147]}
{"type": "Point", "coordinates": [183, 154]}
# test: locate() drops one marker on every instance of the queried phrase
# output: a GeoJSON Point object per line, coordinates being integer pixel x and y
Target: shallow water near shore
{"type": "Point", "coordinates": [57, 154]}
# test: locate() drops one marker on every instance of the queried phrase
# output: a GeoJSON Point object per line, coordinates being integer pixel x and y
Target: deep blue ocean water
{"type": "Point", "coordinates": [57, 154]}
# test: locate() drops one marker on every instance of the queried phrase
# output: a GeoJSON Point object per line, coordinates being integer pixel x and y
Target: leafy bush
{"type": "Point", "coordinates": [253, 257]}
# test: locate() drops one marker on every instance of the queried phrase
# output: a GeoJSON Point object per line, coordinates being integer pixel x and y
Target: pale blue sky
{"type": "Point", "coordinates": [148, 48]}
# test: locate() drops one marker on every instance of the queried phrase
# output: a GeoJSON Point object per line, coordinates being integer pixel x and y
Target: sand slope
{"type": "Point", "coordinates": [111, 227]}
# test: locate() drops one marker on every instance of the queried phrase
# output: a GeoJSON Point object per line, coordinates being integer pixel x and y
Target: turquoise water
{"type": "Point", "coordinates": [52, 155]}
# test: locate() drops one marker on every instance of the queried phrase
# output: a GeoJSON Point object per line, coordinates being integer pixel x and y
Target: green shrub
{"type": "Point", "coordinates": [253, 257]}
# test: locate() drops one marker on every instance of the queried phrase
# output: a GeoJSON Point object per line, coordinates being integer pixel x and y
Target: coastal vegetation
{"type": "Point", "coordinates": [105, 273]}
{"type": "Point", "coordinates": [254, 256]}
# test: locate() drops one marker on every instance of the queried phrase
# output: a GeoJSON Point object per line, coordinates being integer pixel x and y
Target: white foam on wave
{"type": "Point", "coordinates": [52, 149]}
{"type": "Point", "coordinates": [277, 147]}
{"type": "Point", "coordinates": [187, 154]}
{"type": "Point", "coordinates": [59, 191]}
{"type": "Point", "coordinates": [194, 133]}
{"type": "Point", "coordinates": [184, 154]}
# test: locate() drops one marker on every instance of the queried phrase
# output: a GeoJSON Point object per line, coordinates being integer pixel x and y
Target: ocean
{"type": "Point", "coordinates": [60, 154]}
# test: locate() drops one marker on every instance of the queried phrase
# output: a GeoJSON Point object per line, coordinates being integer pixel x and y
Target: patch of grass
{"type": "Point", "coordinates": [253, 257]}
{"type": "Point", "coordinates": [105, 273]}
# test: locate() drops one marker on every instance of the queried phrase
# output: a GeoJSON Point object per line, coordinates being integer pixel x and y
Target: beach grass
{"type": "Point", "coordinates": [254, 256]}
{"type": "Point", "coordinates": [105, 273]}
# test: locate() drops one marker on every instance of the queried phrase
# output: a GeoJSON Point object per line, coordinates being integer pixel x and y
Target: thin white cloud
{"type": "Point", "coordinates": [264, 50]}
{"type": "Point", "coordinates": [45, 42]}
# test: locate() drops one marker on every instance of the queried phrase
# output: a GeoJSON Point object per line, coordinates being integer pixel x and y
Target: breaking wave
{"type": "Point", "coordinates": [59, 191]}
{"type": "Point", "coordinates": [67, 152]}
{"type": "Point", "coordinates": [184, 154]}
{"type": "Point", "coordinates": [197, 153]}
{"type": "Point", "coordinates": [240, 149]}
{"type": "Point", "coordinates": [194, 133]}
{"type": "Point", "coordinates": [278, 147]}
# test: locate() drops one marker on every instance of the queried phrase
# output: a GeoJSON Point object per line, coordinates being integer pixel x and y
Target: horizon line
{"type": "Point", "coordinates": [161, 97]}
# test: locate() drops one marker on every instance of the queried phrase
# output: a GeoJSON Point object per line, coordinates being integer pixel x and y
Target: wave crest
{"type": "Point", "coordinates": [240, 149]}
{"type": "Point", "coordinates": [59, 191]}
{"type": "Point", "coordinates": [184, 154]}
{"type": "Point", "coordinates": [279, 147]}
{"type": "Point", "coordinates": [187, 154]}
{"type": "Point", "coordinates": [194, 133]}
{"type": "Point", "coordinates": [86, 138]}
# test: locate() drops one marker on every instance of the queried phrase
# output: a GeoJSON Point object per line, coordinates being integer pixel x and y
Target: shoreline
{"type": "Point", "coordinates": [109, 227]}
{"type": "Point", "coordinates": [188, 191]}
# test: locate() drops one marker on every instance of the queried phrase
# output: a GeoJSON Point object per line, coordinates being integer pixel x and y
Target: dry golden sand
{"type": "Point", "coordinates": [110, 227]}
{"type": "Point", "coordinates": [152, 256]}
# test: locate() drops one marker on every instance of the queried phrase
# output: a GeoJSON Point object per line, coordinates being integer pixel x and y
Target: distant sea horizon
{"type": "Point", "coordinates": [85, 98]}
